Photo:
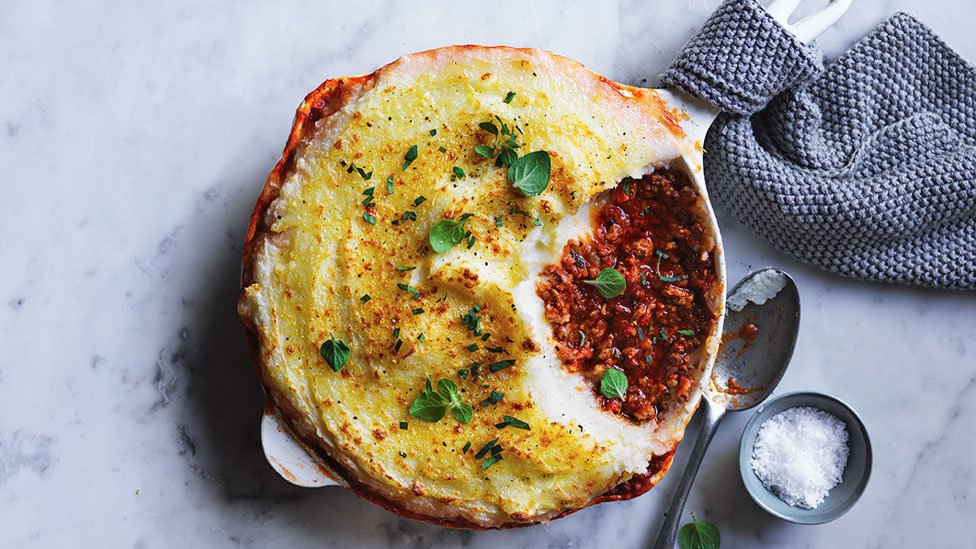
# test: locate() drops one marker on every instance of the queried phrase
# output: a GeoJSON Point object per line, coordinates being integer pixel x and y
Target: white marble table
{"type": "Point", "coordinates": [134, 140]}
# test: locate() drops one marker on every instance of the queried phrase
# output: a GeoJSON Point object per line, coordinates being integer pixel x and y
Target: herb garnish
{"type": "Point", "coordinates": [448, 233]}
{"type": "Point", "coordinates": [494, 398]}
{"type": "Point", "coordinates": [433, 132]}
{"type": "Point", "coordinates": [609, 282]}
{"type": "Point", "coordinates": [530, 173]}
{"type": "Point", "coordinates": [613, 384]}
{"type": "Point", "coordinates": [362, 173]}
{"type": "Point", "coordinates": [467, 446]}
{"type": "Point", "coordinates": [485, 449]}
{"type": "Point", "coordinates": [410, 157]}
{"type": "Point", "coordinates": [500, 365]}
{"type": "Point", "coordinates": [418, 311]}
{"type": "Point", "coordinates": [389, 185]}
{"type": "Point", "coordinates": [403, 425]}
{"type": "Point", "coordinates": [458, 172]}
{"type": "Point", "coordinates": [686, 332]}
{"type": "Point", "coordinates": [471, 320]}
{"type": "Point", "coordinates": [369, 219]}
{"type": "Point", "coordinates": [509, 97]}
{"type": "Point", "coordinates": [473, 347]}
{"type": "Point", "coordinates": [368, 201]}
{"type": "Point", "coordinates": [419, 200]}
{"type": "Point", "coordinates": [503, 149]}
{"type": "Point", "coordinates": [432, 406]}
{"type": "Point", "coordinates": [335, 353]}
{"type": "Point", "coordinates": [699, 534]}
{"type": "Point", "coordinates": [409, 215]}
{"type": "Point", "coordinates": [365, 298]}
{"type": "Point", "coordinates": [491, 461]}
{"type": "Point", "coordinates": [514, 422]}
{"type": "Point", "coordinates": [404, 268]}
{"type": "Point", "coordinates": [664, 255]}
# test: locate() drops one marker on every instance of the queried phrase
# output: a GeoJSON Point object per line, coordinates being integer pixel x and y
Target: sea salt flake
{"type": "Point", "coordinates": [800, 454]}
{"type": "Point", "coordinates": [762, 287]}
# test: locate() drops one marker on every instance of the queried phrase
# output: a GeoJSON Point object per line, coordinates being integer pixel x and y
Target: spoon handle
{"type": "Point", "coordinates": [713, 415]}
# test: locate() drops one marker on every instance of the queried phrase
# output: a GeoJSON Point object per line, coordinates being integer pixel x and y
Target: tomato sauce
{"type": "Point", "coordinates": [651, 231]}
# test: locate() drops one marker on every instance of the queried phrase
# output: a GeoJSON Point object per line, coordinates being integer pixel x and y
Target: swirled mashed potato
{"type": "Point", "coordinates": [339, 248]}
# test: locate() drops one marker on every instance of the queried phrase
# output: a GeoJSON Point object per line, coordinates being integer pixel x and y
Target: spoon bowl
{"type": "Point", "coordinates": [757, 338]}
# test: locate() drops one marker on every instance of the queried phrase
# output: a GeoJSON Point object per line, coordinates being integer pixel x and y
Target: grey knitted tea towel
{"type": "Point", "coordinates": [866, 168]}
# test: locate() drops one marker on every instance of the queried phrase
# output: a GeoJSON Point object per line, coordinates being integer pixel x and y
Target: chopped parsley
{"type": "Point", "coordinates": [494, 398]}
{"type": "Point", "coordinates": [410, 157]}
{"type": "Point", "coordinates": [467, 446]}
{"type": "Point", "coordinates": [485, 449]}
{"type": "Point", "coordinates": [508, 97]}
{"type": "Point", "coordinates": [420, 337]}
{"type": "Point", "coordinates": [403, 425]}
{"type": "Point", "coordinates": [515, 422]}
{"type": "Point", "coordinates": [409, 215]}
{"type": "Point", "coordinates": [473, 347]}
{"type": "Point", "coordinates": [389, 185]}
{"type": "Point", "coordinates": [369, 219]}
{"type": "Point", "coordinates": [491, 461]}
{"type": "Point", "coordinates": [403, 268]}
{"type": "Point", "coordinates": [664, 255]}
{"type": "Point", "coordinates": [472, 321]}
{"type": "Point", "coordinates": [365, 298]}
{"type": "Point", "coordinates": [362, 173]}
{"type": "Point", "coordinates": [500, 365]}
{"type": "Point", "coordinates": [419, 200]}
{"type": "Point", "coordinates": [433, 133]}
{"type": "Point", "coordinates": [686, 332]}
{"type": "Point", "coordinates": [418, 311]}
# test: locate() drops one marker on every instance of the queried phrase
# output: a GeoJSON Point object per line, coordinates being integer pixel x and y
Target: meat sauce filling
{"type": "Point", "coordinates": [650, 232]}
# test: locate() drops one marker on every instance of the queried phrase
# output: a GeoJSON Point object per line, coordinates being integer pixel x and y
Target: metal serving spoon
{"type": "Point", "coordinates": [756, 367]}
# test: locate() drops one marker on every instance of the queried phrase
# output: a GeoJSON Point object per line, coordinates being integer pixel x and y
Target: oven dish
{"type": "Point", "coordinates": [428, 315]}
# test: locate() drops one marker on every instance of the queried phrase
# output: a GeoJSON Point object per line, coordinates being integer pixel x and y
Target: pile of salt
{"type": "Point", "coordinates": [800, 454]}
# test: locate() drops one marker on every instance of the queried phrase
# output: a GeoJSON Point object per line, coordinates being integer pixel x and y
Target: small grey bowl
{"type": "Point", "coordinates": [843, 496]}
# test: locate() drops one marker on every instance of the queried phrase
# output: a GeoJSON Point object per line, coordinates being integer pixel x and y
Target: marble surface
{"type": "Point", "coordinates": [135, 139]}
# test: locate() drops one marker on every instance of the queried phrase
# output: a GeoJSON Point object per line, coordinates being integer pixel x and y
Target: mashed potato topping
{"type": "Point", "coordinates": [340, 248]}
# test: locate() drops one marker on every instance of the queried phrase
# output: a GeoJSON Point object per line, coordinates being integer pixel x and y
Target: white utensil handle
{"type": "Point", "coordinates": [814, 24]}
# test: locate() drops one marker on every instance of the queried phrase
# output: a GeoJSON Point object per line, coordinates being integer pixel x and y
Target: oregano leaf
{"type": "Point", "coordinates": [335, 353]}
{"type": "Point", "coordinates": [699, 534]}
{"type": "Point", "coordinates": [530, 173]}
{"type": "Point", "coordinates": [609, 283]}
{"type": "Point", "coordinates": [613, 384]}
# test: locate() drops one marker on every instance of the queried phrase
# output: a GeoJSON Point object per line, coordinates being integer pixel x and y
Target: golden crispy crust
{"type": "Point", "coordinates": [321, 103]}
